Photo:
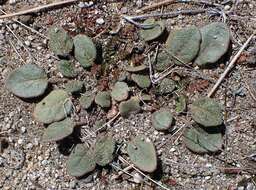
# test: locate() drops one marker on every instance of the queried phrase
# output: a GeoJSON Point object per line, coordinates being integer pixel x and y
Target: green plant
{"type": "Point", "coordinates": [120, 91]}
{"type": "Point", "coordinates": [183, 45]}
{"type": "Point", "coordinates": [54, 107]}
{"type": "Point", "coordinates": [29, 77]}
{"type": "Point", "coordinates": [207, 112]}
{"type": "Point", "coordinates": [58, 130]}
{"type": "Point", "coordinates": [215, 43]}
{"type": "Point", "coordinates": [60, 42]}
{"type": "Point", "coordinates": [85, 50]}
{"type": "Point", "coordinates": [142, 153]}
{"type": "Point", "coordinates": [150, 34]}
{"type": "Point", "coordinates": [162, 119]}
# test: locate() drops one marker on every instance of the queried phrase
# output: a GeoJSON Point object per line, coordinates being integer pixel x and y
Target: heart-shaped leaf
{"type": "Point", "coordinates": [201, 140]}
{"type": "Point", "coordinates": [54, 107]}
{"type": "Point", "coordinates": [162, 119]}
{"type": "Point", "coordinates": [58, 130]}
{"type": "Point", "coordinates": [85, 50]}
{"type": "Point", "coordinates": [190, 138]}
{"type": "Point", "coordinates": [28, 81]}
{"type": "Point", "coordinates": [207, 112]}
{"type": "Point", "coordinates": [103, 99]}
{"type": "Point", "coordinates": [184, 44]}
{"type": "Point", "coordinates": [120, 91]}
{"type": "Point", "coordinates": [154, 32]}
{"type": "Point", "coordinates": [66, 69]}
{"type": "Point", "coordinates": [104, 149]}
{"type": "Point", "coordinates": [163, 61]}
{"type": "Point", "coordinates": [59, 41]}
{"type": "Point", "coordinates": [143, 81]}
{"type": "Point", "coordinates": [130, 106]}
{"type": "Point", "coordinates": [81, 161]}
{"type": "Point", "coordinates": [166, 86]}
{"type": "Point", "coordinates": [215, 43]}
{"type": "Point", "coordinates": [142, 153]}
{"type": "Point", "coordinates": [86, 100]}
{"type": "Point", "coordinates": [74, 86]}
{"type": "Point", "coordinates": [210, 140]}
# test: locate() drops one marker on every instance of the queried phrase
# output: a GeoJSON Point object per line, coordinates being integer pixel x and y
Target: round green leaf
{"type": "Point", "coordinates": [74, 86]}
{"type": "Point", "coordinates": [162, 119]}
{"type": "Point", "coordinates": [142, 153]}
{"type": "Point", "coordinates": [215, 43]}
{"type": "Point", "coordinates": [163, 61]}
{"type": "Point", "coordinates": [54, 107]}
{"type": "Point", "coordinates": [28, 81]}
{"type": "Point", "coordinates": [207, 112]}
{"type": "Point", "coordinates": [59, 41]}
{"type": "Point", "coordinates": [86, 101]}
{"type": "Point", "coordinates": [130, 106]}
{"type": "Point", "coordinates": [104, 149]}
{"type": "Point", "coordinates": [58, 130]}
{"type": "Point", "coordinates": [66, 69]}
{"type": "Point", "coordinates": [190, 138]}
{"type": "Point", "coordinates": [154, 32]}
{"type": "Point", "coordinates": [81, 161]}
{"type": "Point", "coordinates": [85, 50]}
{"type": "Point", "coordinates": [103, 99]}
{"type": "Point", "coordinates": [143, 81]}
{"type": "Point", "coordinates": [201, 140]}
{"type": "Point", "coordinates": [120, 91]}
{"type": "Point", "coordinates": [184, 44]}
{"type": "Point", "coordinates": [166, 86]}
{"type": "Point", "coordinates": [210, 140]}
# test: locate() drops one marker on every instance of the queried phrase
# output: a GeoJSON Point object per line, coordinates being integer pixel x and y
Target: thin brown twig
{"type": "Point", "coordinates": [250, 91]}
{"type": "Point", "coordinates": [156, 5]}
{"type": "Point", "coordinates": [16, 51]}
{"type": "Point", "coordinates": [168, 14]}
{"type": "Point", "coordinates": [25, 26]}
{"type": "Point", "coordinates": [230, 66]}
{"type": "Point", "coordinates": [146, 176]}
{"type": "Point", "coordinates": [37, 9]}
{"type": "Point", "coordinates": [168, 2]}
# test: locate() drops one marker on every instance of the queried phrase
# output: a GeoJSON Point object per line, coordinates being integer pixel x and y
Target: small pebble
{"type": "Point", "coordinates": [15, 26]}
{"type": "Point", "coordinates": [72, 184]}
{"type": "Point", "coordinates": [23, 129]}
{"type": "Point", "coordinates": [27, 43]}
{"type": "Point", "coordinates": [20, 141]}
{"type": "Point", "coordinates": [100, 21]}
{"type": "Point", "coordinates": [137, 178]}
{"type": "Point", "coordinates": [12, 2]}
{"type": "Point", "coordinates": [227, 7]}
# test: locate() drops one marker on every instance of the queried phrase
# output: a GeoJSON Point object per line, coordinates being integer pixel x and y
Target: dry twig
{"type": "Point", "coordinates": [230, 66]}
{"type": "Point", "coordinates": [37, 9]}
{"type": "Point", "coordinates": [146, 176]}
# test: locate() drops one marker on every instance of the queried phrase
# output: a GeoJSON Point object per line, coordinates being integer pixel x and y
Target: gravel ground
{"type": "Point", "coordinates": [28, 163]}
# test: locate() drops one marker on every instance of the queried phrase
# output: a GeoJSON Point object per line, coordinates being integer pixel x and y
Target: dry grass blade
{"type": "Point", "coordinates": [37, 9]}
{"type": "Point", "coordinates": [150, 179]}
{"type": "Point", "coordinates": [156, 5]}
{"type": "Point", "coordinates": [230, 66]}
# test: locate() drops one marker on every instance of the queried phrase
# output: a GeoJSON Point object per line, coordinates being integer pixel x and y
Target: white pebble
{"type": "Point", "coordinates": [227, 7]}
{"type": "Point", "coordinates": [137, 178]}
{"type": "Point", "coordinates": [27, 43]}
{"type": "Point", "coordinates": [100, 21]}
{"type": "Point", "coordinates": [23, 129]}
{"type": "Point", "coordinates": [11, 2]}
{"type": "Point", "coordinates": [20, 141]}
